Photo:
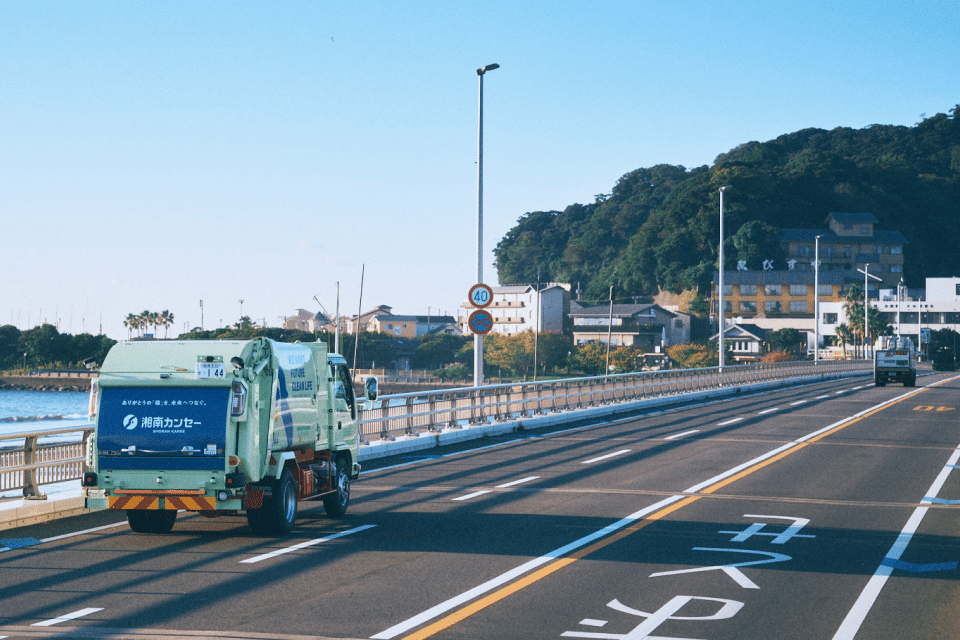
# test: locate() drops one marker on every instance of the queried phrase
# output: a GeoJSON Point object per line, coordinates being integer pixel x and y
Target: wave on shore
{"type": "Point", "coordinates": [39, 418]}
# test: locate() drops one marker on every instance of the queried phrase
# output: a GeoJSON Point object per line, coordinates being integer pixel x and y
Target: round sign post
{"type": "Point", "coordinates": [480, 322]}
{"type": "Point", "coordinates": [481, 295]}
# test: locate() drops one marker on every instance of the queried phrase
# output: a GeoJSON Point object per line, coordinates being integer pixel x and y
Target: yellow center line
{"type": "Point", "coordinates": [526, 581]}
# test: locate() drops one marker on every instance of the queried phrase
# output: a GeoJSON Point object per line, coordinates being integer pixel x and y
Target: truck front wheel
{"type": "Point", "coordinates": [336, 503]}
{"type": "Point", "coordinates": [151, 521]}
{"type": "Point", "coordinates": [279, 511]}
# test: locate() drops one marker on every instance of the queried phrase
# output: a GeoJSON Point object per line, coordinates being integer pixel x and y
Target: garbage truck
{"type": "Point", "coordinates": [222, 427]}
{"type": "Point", "coordinates": [895, 362]}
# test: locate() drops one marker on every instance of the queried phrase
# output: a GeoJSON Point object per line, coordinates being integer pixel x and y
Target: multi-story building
{"type": "Point", "coordinates": [412, 326]}
{"type": "Point", "coordinates": [648, 327]}
{"type": "Point", "coordinates": [851, 243]}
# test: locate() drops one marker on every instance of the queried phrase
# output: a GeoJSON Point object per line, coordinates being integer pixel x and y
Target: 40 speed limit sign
{"type": "Point", "coordinates": [481, 295]}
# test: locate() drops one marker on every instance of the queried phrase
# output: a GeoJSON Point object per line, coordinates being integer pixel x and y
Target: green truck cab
{"type": "Point", "coordinates": [222, 427]}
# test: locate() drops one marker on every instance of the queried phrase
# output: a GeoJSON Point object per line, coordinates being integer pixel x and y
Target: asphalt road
{"type": "Point", "coordinates": [824, 511]}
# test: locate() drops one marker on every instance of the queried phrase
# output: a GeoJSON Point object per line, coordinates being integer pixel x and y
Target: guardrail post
{"type": "Point", "coordinates": [410, 430]}
{"type": "Point", "coordinates": [31, 490]}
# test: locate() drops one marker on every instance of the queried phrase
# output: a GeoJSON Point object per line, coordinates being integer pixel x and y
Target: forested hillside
{"type": "Point", "coordinates": [659, 227]}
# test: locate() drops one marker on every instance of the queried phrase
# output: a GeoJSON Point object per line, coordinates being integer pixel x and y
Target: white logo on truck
{"type": "Point", "coordinates": [130, 422]}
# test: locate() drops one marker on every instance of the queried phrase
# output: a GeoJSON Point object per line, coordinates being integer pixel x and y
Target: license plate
{"type": "Point", "coordinates": [210, 370]}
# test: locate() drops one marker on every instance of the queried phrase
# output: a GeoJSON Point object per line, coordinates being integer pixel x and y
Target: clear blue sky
{"type": "Point", "coordinates": [153, 154]}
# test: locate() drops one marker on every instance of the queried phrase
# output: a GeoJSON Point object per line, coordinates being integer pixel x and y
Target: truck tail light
{"type": "Point", "coordinates": [94, 391]}
{"type": "Point", "coordinates": [238, 399]}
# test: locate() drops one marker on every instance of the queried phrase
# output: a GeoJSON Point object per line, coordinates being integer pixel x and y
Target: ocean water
{"type": "Point", "coordinates": [25, 411]}
{"type": "Point", "coordinates": [30, 411]}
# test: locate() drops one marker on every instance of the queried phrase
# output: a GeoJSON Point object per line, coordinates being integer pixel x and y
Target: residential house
{"type": "Point", "coordinates": [648, 327]}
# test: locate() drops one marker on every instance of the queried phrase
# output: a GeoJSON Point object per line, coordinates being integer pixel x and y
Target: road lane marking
{"type": "Point", "coordinates": [822, 397]}
{"type": "Point", "coordinates": [77, 533]}
{"type": "Point", "coordinates": [608, 535]}
{"type": "Point", "coordinates": [516, 482]}
{"type": "Point", "coordinates": [66, 617]}
{"type": "Point", "coordinates": [472, 495]}
{"type": "Point", "coordinates": [680, 435]}
{"type": "Point", "coordinates": [766, 411]}
{"type": "Point", "coordinates": [851, 624]}
{"type": "Point", "coordinates": [723, 424]}
{"type": "Point", "coordinates": [793, 404]}
{"type": "Point", "coordinates": [308, 543]}
{"type": "Point", "coordinates": [609, 455]}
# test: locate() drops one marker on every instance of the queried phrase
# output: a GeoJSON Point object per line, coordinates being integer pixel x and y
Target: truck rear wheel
{"type": "Point", "coordinates": [151, 521]}
{"type": "Point", "coordinates": [279, 511]}
{"type": "Point", "coordinates": [336, 503]}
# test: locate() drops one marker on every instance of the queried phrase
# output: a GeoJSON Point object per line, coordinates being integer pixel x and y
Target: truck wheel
{"type": "Point", "coordinates": [279, 511]}
{"type": "Point", "coordinates": [144, 521]}
{"type": "Point", "coordinates": [336, 503]}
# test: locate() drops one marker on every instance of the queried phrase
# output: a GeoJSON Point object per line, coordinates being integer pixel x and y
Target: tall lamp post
{"type": "Point", "coordinates": [477, 338]}
{"type": "Point", "coordinates": [866, 309]}
{"type": "Point", "coordinates": [720, 285]}
{"type": "Point", "coordinates": [816, 300]}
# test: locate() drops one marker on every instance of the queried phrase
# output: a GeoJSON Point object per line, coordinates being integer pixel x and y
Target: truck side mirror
{"type": "Point", "coordinates": [370, 388]}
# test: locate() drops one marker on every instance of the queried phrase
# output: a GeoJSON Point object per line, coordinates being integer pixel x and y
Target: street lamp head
{"type": "Point", "coordinates": [489, 67]}
{"type": "Point", "coordinates": [725, 187]}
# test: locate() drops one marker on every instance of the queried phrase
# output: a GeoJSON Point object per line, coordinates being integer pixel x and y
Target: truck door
{"type": "Point", "coordinates": [344, 404]}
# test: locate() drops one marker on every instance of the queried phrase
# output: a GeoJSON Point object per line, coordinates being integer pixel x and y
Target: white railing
{"type": "Point", "coordinates": [36, 463]}
{"type": "Point", "coordinates": [431, 411]}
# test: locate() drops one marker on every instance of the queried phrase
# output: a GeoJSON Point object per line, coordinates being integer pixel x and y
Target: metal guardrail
{"type": "Point", "coordinates": [41, 463]}
{"type": "Point", "coordinates": [423, 412]}
{"type": "Point", "coordinates": [412, 413]}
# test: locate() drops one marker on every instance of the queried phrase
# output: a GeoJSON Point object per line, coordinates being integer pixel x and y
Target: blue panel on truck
{"type": "Point", "coordinates": [165, 428]}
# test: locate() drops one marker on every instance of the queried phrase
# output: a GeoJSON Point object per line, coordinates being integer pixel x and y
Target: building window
{"type": "Point", "coordinates": [772, 306]}
{"type": "Point", "coordinates": [748, 306]}
{"type": "Point", "coordinates": [728, 306]}
{"type": "Point", "coordinates": [864, 231]}
{"type": "Point", "coordinates": [798, 289]}
{"type": "Point", "coordinates": [895, 249]}
{"type": "Point", "coordinates": [805, 251]}
{"type": "Point", "coordinates": [825, 290]}
{"type": "Point", "coordinates": [748, 289]}
{"type": "Point", "coordinates": [798, 306]}
{"type": "Point", "coordinates": [829, 318]}
{"type": "Point", "coordinates": [772, 289]}
{"type": "Point", "coordinates": [728, 289]}
{"type": "Point", "coordinates": [896, 268]}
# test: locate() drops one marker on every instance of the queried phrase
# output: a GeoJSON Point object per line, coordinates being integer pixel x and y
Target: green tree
{"type": "Point", "coordinates": [590, 358]}
{"type": "Point", "coordinates": [788, 340]}
{"type": "Point", "coordinates": [756, 242]}
{"type": "Point", "coordinates": [436, 351]}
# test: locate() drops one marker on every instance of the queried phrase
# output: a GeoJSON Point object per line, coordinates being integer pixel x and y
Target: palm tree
{"type": "Point", "coordinates": [130, 323]}
{"type": "Point", "coordinates": [845, 334]}
{"type": "Point", "coordinates": [166, 319]}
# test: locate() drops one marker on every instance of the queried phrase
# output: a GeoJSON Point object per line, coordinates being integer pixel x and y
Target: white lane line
{"type": "Point", "coordinates": [765, 411]}
{"type": "Point", "coordinates": [609, 455]}
{"type": "Point", "coordinates": [836, 393]}
{"type": "Point", "coordinates": [793, 404]}
{"type": "Point", "coordinates": [69, 616]}
{"type": "Point", "coordinates": [504, 578]}
{"type": "Point", "coordinates": [822, 397]}
{"type": "Point", "coordinates": [516, 482]}
{"type": "Point", "coordinates": [725, 423]}
{"type": "Point", "coordinates": [680, 435]}
{"type": "Point", "coordinates": [77, 533]}
{"type": "Point", "coordinates": [308, 543]}
{"type": "Point", "coordinates": [472, 495]}
{"type": "Point", "coordinates": [851, 624]}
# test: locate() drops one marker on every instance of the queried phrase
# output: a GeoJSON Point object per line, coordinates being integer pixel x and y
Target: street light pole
{"type": "Point", "coordinates": [720, 286]}
{"type": "Point", "coordinates": [816, 300]}
{"type": "Point", "coordinates": [477, 338]}
{"type": "Point", "coordinates": [866, 309]}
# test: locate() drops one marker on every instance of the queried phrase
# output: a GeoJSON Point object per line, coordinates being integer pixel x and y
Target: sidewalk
{"type": "Point", "coordinates": [18, 512]}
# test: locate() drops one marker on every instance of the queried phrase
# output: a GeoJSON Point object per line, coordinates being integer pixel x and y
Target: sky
{"type": "Point", "coordinates": [156, 154]}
